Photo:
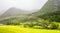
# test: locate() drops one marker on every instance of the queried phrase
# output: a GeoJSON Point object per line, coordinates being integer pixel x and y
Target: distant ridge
{"type": "Point", "coordinates": [15, 12]}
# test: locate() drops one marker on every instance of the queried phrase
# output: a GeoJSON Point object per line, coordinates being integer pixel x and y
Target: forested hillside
{"type": "Point", "coordinates": [50, 11]}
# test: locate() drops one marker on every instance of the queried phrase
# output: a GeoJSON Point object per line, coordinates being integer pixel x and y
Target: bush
{"type": "Point", "coordinates": [53, 26]}
{"type": "Point", "coordinates": [28, 25]}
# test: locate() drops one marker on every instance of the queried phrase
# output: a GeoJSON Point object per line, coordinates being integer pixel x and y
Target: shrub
{"type": "Point", "coordinates": [53, 26]}
{"type": "Point", "coordinates": [28, 25]}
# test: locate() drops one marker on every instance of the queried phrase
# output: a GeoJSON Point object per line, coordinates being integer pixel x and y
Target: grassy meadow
{"type": "Point", "coordinates": [21, 29]}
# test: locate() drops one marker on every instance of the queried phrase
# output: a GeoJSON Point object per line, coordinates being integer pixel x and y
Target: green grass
{"type": "Point", "coordinates": [20, 29]}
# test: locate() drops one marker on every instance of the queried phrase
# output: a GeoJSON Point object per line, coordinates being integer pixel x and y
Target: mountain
{"type": "Point", "coordinates": [15, 12]}
{"type": "Point", "coordinates": [50, 6]}
{"type": "Point", "coordinates": [51, 11]}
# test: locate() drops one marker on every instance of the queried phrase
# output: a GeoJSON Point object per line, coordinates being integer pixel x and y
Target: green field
{"type": "Point", "coordinates": [20, 29]}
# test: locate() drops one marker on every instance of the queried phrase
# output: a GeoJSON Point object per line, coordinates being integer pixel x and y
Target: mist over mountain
{"type": "Point", "coordinates": [15, 12]}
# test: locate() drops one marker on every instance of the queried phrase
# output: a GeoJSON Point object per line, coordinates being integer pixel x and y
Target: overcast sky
{"type": "Point", "coordinates": [21, 4]}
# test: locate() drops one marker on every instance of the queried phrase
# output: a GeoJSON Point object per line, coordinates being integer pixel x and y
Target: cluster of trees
{"type": "Point", "coordinates": [54, 16]}
{"type": "Point", "coordinates": [42, 25]}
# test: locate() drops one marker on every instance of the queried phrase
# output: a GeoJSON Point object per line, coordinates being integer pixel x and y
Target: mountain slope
{"type": "Point", "coordinates": [50, 11]}
{"type": "Point", "coordinates": [50, 6]}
